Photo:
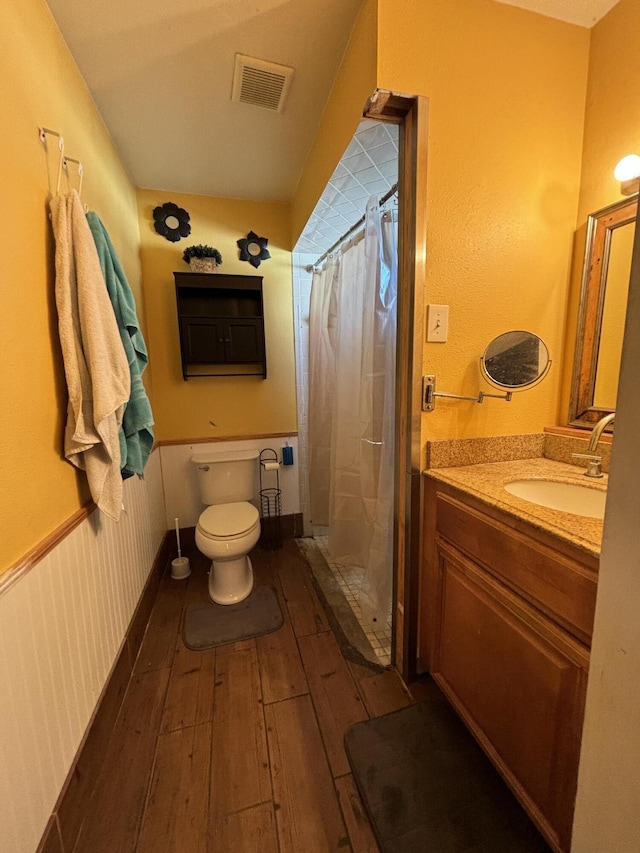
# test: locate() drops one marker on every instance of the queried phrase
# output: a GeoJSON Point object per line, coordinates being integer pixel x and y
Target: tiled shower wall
{"type": "Point", "coordinates": [61, 627]}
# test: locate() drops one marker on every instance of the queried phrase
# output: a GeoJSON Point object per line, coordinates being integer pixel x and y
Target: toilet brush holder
{"type": "Point", "coordinates": [180, 568]}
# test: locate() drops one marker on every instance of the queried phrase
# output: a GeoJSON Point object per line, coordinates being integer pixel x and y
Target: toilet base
{"type": "Point", "coordinates": [230, 581]}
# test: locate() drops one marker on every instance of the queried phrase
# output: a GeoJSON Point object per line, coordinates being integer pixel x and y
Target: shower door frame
{"type": "Point", "coordinates": [410, 112]}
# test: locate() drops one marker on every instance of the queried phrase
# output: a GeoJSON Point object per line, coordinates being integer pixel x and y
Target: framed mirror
{"type": "Point", "coordinates": [603, 302]}
{"type": "Point", "coordinates": [515, 360]}
{"type": "Point", "coordinates": [171, 221]}
{"type": "Point", "coordinates": [253, 249]}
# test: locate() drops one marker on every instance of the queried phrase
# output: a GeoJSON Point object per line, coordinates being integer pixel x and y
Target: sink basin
{"type": "Point", "coordinates": [568, 497]}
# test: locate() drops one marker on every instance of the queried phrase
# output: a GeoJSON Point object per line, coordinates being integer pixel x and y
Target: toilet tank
{"type": "Point", "coordinates": [226, 476]}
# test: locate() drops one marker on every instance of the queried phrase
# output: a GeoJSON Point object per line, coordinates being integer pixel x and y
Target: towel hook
{"type": "Point", "coordinates": [43, 132]}
{"type": "Point", "coordinates": [65, 162]}
{"type": "Point", "coordinates": [43, 136]}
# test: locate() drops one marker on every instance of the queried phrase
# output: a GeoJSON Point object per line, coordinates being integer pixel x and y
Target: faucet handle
{"type": "Point", "coordinates": [594, 464]}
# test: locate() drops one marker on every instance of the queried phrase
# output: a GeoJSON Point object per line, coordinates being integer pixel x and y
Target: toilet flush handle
{"type": "Point", "coordinates": [203, 467]}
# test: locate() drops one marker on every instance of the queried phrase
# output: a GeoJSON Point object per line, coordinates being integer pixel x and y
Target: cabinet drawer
{"type": "Point", "coordinates": [560, 587]}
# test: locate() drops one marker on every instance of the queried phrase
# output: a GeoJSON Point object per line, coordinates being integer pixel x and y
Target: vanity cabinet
{"type": "Point", "coordinates": [221, 324]}
{"type": "Point", "coordinates": [505, 629]}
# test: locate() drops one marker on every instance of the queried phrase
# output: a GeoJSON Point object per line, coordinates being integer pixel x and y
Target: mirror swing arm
{"type": "Point", "coordinates": [429, 394]}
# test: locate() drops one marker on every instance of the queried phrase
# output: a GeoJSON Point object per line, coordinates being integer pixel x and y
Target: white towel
{"type": "Point", "coordinates": [95, 364]}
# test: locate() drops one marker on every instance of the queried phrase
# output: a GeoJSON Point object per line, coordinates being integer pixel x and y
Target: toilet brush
{"type": "Point", "coordinates": [180, 567]}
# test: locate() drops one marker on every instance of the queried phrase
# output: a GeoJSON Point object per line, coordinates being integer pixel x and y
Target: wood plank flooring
{"type": "Point", "coordinates": [239, 749]}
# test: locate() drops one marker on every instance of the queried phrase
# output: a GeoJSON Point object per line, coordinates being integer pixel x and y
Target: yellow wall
{"type": "Point", "coordinates": [506, 91]}
{"type": "Point", "coordinates": [612, 120]}
{"type": "Point", "coordinates": [612, 129]}
{"type": "Point", "coordinates": [40, 85]}
{"type": "Point", "coordinates": [244, 405]}
{"type": "Point", "coordinates": [354, 84]}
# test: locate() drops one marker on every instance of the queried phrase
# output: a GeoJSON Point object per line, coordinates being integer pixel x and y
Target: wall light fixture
{"type": "Point", "coordinates": [628, 173]}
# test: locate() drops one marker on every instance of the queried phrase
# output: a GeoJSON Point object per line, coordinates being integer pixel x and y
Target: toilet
{"type": "Point", "coordinates": [229, 527]}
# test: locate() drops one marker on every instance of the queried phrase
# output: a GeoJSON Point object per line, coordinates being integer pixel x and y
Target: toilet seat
{"type": "Point", "coordinates": [228, 521]}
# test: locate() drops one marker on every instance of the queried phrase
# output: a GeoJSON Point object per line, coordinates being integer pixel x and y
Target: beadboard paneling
{"type": "Point", "coordinates": [61, 627]}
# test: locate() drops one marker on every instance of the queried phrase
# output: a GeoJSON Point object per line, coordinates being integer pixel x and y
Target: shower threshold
{"type": "Point", "coordinates": [348, 579]}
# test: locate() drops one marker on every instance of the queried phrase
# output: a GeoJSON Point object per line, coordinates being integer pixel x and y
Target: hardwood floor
{"type": "Point", "coordinates": [239, 749]}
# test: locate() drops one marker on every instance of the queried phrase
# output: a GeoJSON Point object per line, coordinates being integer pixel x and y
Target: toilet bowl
{"type": "Point", "coordinates": [226, 533]}
{"type": "Point", "coordinates": [229, 527]}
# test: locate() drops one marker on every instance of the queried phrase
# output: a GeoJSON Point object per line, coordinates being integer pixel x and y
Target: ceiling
{"type": "Point", "coordinates": [585, 13]}
{"type": "Point", "coordinates": [161, 74]}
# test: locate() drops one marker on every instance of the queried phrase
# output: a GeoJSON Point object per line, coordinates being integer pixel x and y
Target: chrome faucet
{"type": "Point", "coordinates": [594, 466]}
{"type": "Point", "coordinates": [597, 431]}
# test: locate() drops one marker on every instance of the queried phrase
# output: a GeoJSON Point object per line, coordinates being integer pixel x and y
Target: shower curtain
{"type": "Point", "coordinates": [352, 344]}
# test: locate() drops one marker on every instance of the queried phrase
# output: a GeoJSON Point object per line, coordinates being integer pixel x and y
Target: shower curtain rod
{"type": "Point", "coordinates": [381, 201]}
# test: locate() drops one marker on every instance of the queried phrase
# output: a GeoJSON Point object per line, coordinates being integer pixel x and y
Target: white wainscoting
{"type": "Point", "coordinates": [181, 485]}
{"type": "Point", "coordinates": [61, 627]}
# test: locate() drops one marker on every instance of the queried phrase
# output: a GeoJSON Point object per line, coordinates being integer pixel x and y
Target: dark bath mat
{"type": "Point", "coordinates": [207, 624]}
{"type": "Point", "coordinates": [428, 787]}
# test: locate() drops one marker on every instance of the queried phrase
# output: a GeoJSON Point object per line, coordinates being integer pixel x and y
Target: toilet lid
{"type": "Point", "coordinates": [228, 519]}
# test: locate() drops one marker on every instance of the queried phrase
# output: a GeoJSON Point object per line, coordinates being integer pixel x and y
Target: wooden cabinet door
{"type": "Point", "coordinates": [203, 340]}
{"type": "Point", "coordinates": [214, 340]}
{"type": "Point", "coordinates": [244, 341]}
{"type": "Point", "coordinates": [518, 681]}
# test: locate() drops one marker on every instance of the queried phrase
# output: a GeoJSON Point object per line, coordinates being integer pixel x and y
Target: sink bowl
{"type": "Point", "coordinates": [568, 497]}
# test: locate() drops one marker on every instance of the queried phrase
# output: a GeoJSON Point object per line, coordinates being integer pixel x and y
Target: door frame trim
{"type": "Point", "coordinates": [410, 112]}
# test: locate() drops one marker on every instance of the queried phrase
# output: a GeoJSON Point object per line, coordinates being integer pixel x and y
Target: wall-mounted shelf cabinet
{"type": "Point", "coordinates": [221, 323]}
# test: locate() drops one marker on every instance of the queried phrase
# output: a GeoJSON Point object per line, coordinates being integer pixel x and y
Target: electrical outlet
{"type": "Point", "coordinates": [437, 323]}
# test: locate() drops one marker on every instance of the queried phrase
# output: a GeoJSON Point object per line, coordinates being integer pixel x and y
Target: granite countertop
{"type": "Point", "coordinates": [486, 482]}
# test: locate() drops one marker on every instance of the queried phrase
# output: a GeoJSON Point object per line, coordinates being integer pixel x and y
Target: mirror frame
{"type": "Point", "coordinates": [600, 228]}
{"type": "Point", "coordinates": [515, 388]}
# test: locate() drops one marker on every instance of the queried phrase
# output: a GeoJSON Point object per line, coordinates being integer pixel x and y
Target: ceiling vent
{"type": "Point", "coordinates": [260, 83]}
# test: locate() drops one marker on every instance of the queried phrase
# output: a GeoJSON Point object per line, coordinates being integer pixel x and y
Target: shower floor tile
{"type": "Point", "coordinates": [350, 579]}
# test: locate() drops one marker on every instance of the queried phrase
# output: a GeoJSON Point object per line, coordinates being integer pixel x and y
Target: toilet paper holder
{"type": "Point", "coordinates": [270, 500]}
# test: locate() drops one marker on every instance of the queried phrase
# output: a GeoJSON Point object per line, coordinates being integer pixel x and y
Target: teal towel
{"type": "Point", "coordinates": [136, 435]}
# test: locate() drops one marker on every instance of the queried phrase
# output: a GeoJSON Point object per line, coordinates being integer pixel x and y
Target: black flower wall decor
{"type": "Point", "coordinates": [171, 221]}
{"type": "Point", "coordinates": [253, 249]}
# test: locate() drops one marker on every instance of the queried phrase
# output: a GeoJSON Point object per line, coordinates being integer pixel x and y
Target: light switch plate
{"type": "Point", "coordinates": [437, 323]}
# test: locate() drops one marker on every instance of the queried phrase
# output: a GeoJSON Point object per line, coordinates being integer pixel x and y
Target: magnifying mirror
{"type": "Point", "coordinates": [512, 361]}
{"type": "Point", "coordinates": [515, 360]}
